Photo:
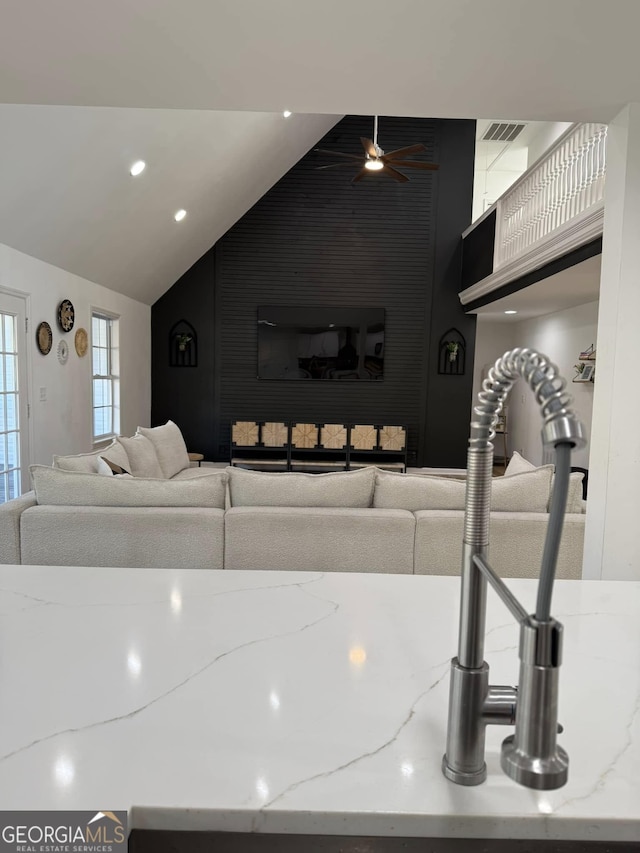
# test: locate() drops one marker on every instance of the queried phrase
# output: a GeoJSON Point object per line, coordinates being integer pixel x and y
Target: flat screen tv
{"type": "Point", "coordinates": [329, 344]}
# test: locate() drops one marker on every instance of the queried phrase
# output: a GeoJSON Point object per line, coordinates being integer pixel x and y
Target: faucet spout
{"type": "Point", "coordinates": [531, 756]}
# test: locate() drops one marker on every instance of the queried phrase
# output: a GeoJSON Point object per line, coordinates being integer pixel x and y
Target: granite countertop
{"type": "Point", "coordinates": [298, 702]}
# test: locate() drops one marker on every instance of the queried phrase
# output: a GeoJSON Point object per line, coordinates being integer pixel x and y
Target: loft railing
{"type": "Point", "coordinates": [568, 181]}
{"type": "Point", "coordinates": [556, 207]}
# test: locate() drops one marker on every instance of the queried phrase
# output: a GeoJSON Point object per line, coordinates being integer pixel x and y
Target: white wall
{"type": "Point", "coordinates": [561, 336]}
{"type": "Point", "coordinates": [493, 339]}
{"type": "Point", "coordinates": [549, 133]}
{"type": "Point", "coordinates": [62, 424]}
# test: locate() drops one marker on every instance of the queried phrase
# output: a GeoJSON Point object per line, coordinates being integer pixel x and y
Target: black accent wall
{"type": "Point", "coordinates": [316, 239]}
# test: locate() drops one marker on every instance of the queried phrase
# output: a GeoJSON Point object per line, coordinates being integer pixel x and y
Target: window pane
{"type": "Point", "coordinates": [10, 370]}
{"type": "Point", "coordinates": [98, 422]}
{"type": "Point", "coordinates": [3, 418]}
{"type": "Point", "coordinates": [14, 485]}
{"type": "Point", "coordinates": [9, 343]}
{"type": "Point", "coordinates": [3, 452]}
{"type": "Point", "coordinates": [13, 456]}
{"type": "Point", "coordinates": [12, 412]}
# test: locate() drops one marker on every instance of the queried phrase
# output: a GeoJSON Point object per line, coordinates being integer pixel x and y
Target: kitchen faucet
{"type": "Point", "coordinates": [531, 756]}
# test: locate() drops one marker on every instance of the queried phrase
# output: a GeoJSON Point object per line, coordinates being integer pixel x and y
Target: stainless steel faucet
{"type": "Point", "coordinates": [531, 756]}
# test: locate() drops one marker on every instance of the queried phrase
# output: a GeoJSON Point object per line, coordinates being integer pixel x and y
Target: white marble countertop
{"type": "Point", "coordinates": [298, 702]}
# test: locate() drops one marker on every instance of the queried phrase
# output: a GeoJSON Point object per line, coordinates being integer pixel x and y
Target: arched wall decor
{"type": "Point", "coordinates": [183, 345]}
{"type": "Point", "coordinates": [452, 353]}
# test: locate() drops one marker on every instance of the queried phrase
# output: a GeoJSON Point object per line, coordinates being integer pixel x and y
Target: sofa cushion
{"type": "Point", "coordinates": [169, 446]}
{"type": "Point", "coordinates": [331, 539]}
{"type": "Point", "coordinates": [54, 487]}
{"type": "Point", "coordinates": [143, 460]}
{"type": "Point", "coordinates": [528, 492]}
{"type": "Point", "coordinates": [88, 462]}
{"type": "Point", "coordinates": [336, 489]}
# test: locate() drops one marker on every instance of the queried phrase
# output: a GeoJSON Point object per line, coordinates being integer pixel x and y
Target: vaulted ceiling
{"type": "Point", "coordinates": [197, 89]}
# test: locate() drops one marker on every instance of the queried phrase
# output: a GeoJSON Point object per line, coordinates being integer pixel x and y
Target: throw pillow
{"type": "Point", "coordinates": [528, 492]}
{"type": "Point", "coordinates": [169, 446]}
{"type": "Point", "coordinates": [143, 461]}
{"type": "Point", "coordinates": [107, 467]}
{"type": "Point", "coordinates": [56, 487]}
{"type": "Point", "coordinates": [88, 462]}
{"type": "Point", "coordinates": [518, 465]}
{"type": "Point", "coordinates": [336, 489]}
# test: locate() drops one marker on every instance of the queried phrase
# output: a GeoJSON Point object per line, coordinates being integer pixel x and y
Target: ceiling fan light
{"type": "Point", "coordinates": [374, 165]}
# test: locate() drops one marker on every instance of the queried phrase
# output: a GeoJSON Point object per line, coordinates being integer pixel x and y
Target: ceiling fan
{"type": "Point", "coordinates": [375, 159]}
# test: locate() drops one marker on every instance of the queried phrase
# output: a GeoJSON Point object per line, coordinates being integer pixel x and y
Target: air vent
{"type": "Point", "coordinates": [503, 131]}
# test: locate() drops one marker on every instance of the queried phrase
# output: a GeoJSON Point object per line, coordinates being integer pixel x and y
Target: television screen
{"type": "Point", "coordinates": [344, 344]}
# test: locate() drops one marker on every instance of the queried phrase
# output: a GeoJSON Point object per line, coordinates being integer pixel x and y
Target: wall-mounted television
{"type": "Point", "coordinates": [343, 344]}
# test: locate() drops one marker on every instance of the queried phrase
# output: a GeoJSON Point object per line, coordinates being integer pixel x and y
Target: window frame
{"type": "Point", "coordinates": [112, 376]}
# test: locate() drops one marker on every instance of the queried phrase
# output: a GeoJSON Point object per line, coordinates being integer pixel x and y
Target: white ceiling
{"type": "Point", "coordinates": [568, 61]}
{"type": "Point", "coordinates": [204, 84]}
{"type": "Point", "coordinates": [574, 286]}
{"type": "Point", "coordinates": [66, 195]}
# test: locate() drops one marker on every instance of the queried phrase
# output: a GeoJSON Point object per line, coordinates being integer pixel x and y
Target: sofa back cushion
{"type": "Point", "coordinates": [527, 492]}
{"type": "Point", "coordinates": [143, 460]}
{"type": "Point", "coordinates": [56, 487]}
{"type": "Point", "coordinates": [89, 462]}
{"type": "Point", "coordinates": [169, 445]}
{"type": "Point", "coordinates": [336, 489]}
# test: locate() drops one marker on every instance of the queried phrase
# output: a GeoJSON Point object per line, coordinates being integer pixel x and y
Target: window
{"type": "Point", "coordinates": [106, 375]}
{"type": "Point", "coordinates": [9, 410]}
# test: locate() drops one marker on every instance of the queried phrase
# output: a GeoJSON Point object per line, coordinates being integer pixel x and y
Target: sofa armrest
{"type": "Point", "coordinates": [10, 512]}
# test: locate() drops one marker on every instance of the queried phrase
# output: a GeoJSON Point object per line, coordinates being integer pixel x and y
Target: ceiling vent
{"type": "Point", "coordinates": [503, 131]}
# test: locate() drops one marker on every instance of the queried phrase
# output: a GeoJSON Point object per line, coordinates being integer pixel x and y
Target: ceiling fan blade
{"type": "Point", "coordinates": [361, 174]}
{"type": "Point", "coordinates": [338, 154]}
{"type": "Point", "coordinates": [337, 165]}
{"type": "Point", "coordinates": [398, 176]}
{"type": "Point", "coordinates": [369, 147]}
{"type": "Point", "coordinates": [409, 149]}
{"type": "Point", "coordinates": [411, 164]}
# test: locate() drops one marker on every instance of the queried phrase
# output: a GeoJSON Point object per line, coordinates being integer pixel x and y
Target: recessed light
{"type": "Point", "coordinates": [511, 312]}
{"type": "Point", "coordinates": [137, 168]}
{"type": "Point", "coordinates": [179, 215]}
{"type": "Point", "coordinates": [287, 113]}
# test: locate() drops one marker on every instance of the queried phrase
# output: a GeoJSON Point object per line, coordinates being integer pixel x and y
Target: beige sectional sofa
{"type": "Point", "coordinates": [205, 518]}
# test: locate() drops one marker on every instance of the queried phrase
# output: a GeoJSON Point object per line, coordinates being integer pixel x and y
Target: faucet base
{"type": "Point", "coordinates": [462, 778]}
{"type": "Point", "coordinates": [543, 774]}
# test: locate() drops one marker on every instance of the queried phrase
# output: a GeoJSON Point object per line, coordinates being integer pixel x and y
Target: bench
{"type": "Point", "coordinates": [317, 447]}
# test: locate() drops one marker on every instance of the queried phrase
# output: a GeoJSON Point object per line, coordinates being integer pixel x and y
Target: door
{"type": "Point", "coordinates": [14, 432]}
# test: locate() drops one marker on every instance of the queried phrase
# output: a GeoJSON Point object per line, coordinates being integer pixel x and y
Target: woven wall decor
{"type": "Point", "coordinates": [333, 436]}
{"type": "Point", "coordinates": [364, 437]}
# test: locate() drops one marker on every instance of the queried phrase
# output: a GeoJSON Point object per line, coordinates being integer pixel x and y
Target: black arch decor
{"type": "Point", "coordinates": [452, 353]}
{"type": "Point", "coordinates": [183, 345]}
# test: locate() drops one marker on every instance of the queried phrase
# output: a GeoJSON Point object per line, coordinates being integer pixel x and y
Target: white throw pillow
{"type": "Point", "coordinates": [518, 465]}
{"type": "Point", "coordinates": [56, 487]}
{"type": "Point", "coordinates": [89, 462]}
{"type": "Point", "coordinates": [528, 492]}
{"type": "Point", "coordinates": [143, 460]}
{"type": "Point", "coordinates": [169, 446]}
{"type": "Point", "coordinates": [336, 489]}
